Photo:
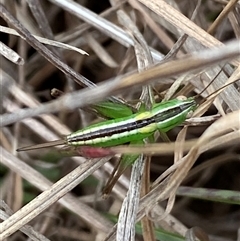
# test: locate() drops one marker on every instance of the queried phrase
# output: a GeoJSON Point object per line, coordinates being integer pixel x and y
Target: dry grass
{"type": "Point", "coordinates": [185, 188]}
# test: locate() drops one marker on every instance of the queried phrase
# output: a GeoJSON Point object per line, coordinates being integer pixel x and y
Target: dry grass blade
{"type": "Point", "coordinates": [49, 55]}
{"type": "Point", "coordinates": [46, 41]}
{"type": "Point", "coordinates": [202, 109]}
{"type": "Point", "coordinates": [28, 230]}
{"type": "Point", "coordinates": [48, 197]}
{"type": "Point", "coordinates": [100, 23]}
{"type": "Point", "coordinates": [154, 26]}
{"type": "Point", "coordinates": [100, 52]}
{"type": "Point", "coordinates": [147, 225]}
{"type": "Point", "coordinates": [181, 22]}
{"type": "Point", "coordinates": [222, 15]}
{"type": "Point", "coordinates": [128, 213]}
{"type": "Point", "coordinates": [153, 149]}
{"type": "Point", "coordinates": [10, 54]}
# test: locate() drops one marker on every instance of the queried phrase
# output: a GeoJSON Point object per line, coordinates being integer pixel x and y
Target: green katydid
{"type": "Point", "coordinates": [163, 116]}
{"type": "Point", "coordinates": [93, 140]}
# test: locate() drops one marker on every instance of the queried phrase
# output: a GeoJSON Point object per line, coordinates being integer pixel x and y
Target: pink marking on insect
{"type": "Point", "coordinates": [93, 152]}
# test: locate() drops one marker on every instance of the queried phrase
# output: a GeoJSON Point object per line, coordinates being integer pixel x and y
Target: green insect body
{"type": "Point", "coordinates": [163, 116]}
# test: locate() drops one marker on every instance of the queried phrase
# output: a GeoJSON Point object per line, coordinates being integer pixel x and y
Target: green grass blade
{"type": "Point", "coordinates": [223, 196]}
